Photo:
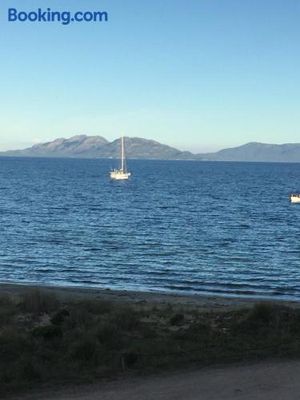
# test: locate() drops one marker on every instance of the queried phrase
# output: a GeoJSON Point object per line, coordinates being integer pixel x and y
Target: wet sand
{"type": "Point", "coordinates": [201, 302]}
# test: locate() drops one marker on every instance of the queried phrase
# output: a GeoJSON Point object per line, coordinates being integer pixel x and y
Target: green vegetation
{"type": "Point", "coordinates": [46, 340]}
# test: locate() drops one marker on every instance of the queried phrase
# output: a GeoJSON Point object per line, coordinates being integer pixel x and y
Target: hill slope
{"type": "Point", "coordinates": [84, 146]}
{"type": "Point", "coordinates": [254, 151]}
{"type": "Point", "coordinates": [98, 147]}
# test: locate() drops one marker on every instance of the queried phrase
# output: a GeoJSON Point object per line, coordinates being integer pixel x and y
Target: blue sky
{"type": "Point", "coordinates": [196, 74]}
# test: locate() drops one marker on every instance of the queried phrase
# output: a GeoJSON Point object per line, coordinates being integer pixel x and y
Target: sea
{"type": "Point", "coordinates": [184, 227]}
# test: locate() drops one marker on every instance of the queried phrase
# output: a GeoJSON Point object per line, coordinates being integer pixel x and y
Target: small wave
{"type": "Point", "coordinates": [46, 270]}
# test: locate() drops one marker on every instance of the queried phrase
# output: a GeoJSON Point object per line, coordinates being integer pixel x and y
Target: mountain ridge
{"type": "Point", "coordinates": [84, 146]}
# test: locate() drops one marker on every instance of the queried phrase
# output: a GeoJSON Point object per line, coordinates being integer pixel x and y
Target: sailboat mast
{"type": "Point", "coordinates": [122, 154]}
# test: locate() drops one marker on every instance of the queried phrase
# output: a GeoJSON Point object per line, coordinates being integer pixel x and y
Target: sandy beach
{"type": "Point", "coordinates": [201, 302]}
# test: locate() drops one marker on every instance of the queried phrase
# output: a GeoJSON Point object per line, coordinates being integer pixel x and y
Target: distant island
{"type": "Point", "coordinates": [83, 146]}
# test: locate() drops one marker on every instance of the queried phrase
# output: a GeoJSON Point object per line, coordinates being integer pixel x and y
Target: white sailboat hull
{"type": "Point", "coordinates": [295, 198]}
{"type": "Point", "coordinates": [119, 175]}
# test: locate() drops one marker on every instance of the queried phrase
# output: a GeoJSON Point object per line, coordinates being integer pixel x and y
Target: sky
{"type": "Point", "coordinates": [199, 75]}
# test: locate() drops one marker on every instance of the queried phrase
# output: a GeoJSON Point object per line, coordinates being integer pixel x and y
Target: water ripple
{"type": "Point", "coordinates": [188, 227]}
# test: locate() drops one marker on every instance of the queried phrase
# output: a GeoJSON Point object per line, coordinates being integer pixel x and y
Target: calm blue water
{"type": "Point", "coordinates": [188, 227]}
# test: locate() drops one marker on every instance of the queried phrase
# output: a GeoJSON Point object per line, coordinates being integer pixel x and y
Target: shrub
{"type": "Point", "coordinates": [94, 306]}
{"type": "Point", "coordinates": [126, 318]}
{"type": "Point", "coordinates": [177, 319]}
{"type": "Point", "coordinates": [12, 344]}
{"type": "Point", "coordinates": [60, 316]}
{"type": "Point", "coordinates": [84, 349]}
{"type": "Point", "coordinates": [268, 319]}
{"type": "Point", "coordinates": [37, 302]}
{"type": "Point", "coordinates": [109, 335]}
{"type": "Point", "coordinates": [47, 332]}
{"type": "Point", "coordinates": [7, 310]}
{"type": "Point", "coordinates": [129, 359]}
{"type": "Point", "coordinates": [262, 313]}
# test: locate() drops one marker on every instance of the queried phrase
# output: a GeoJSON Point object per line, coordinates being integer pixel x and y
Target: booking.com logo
{"type": "Point", "coordinates": [64, 17]}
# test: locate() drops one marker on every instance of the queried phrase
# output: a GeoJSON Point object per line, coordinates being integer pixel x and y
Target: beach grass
{"type": "Point", "coordinates": [47, 339]}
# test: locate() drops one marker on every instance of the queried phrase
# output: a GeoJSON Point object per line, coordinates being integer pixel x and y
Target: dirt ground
{"type": "Point", "coordinates": [262, 381]}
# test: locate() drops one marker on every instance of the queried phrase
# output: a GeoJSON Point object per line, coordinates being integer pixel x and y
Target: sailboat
{"type": "Point", "coordinates": [121, 173]}
{"type": "Point", "coordinates": [295, 198]}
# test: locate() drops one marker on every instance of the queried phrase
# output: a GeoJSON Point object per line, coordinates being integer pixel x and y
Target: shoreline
{"type": "Point", "coordinates": [199, 301]}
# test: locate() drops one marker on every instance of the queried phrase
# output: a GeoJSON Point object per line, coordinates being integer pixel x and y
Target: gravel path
{"type": "Point", "coordinates": [263, 381]}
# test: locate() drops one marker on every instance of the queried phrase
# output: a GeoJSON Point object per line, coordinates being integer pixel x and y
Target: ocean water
{"type": "Point", "coordinates": [177, 226]}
